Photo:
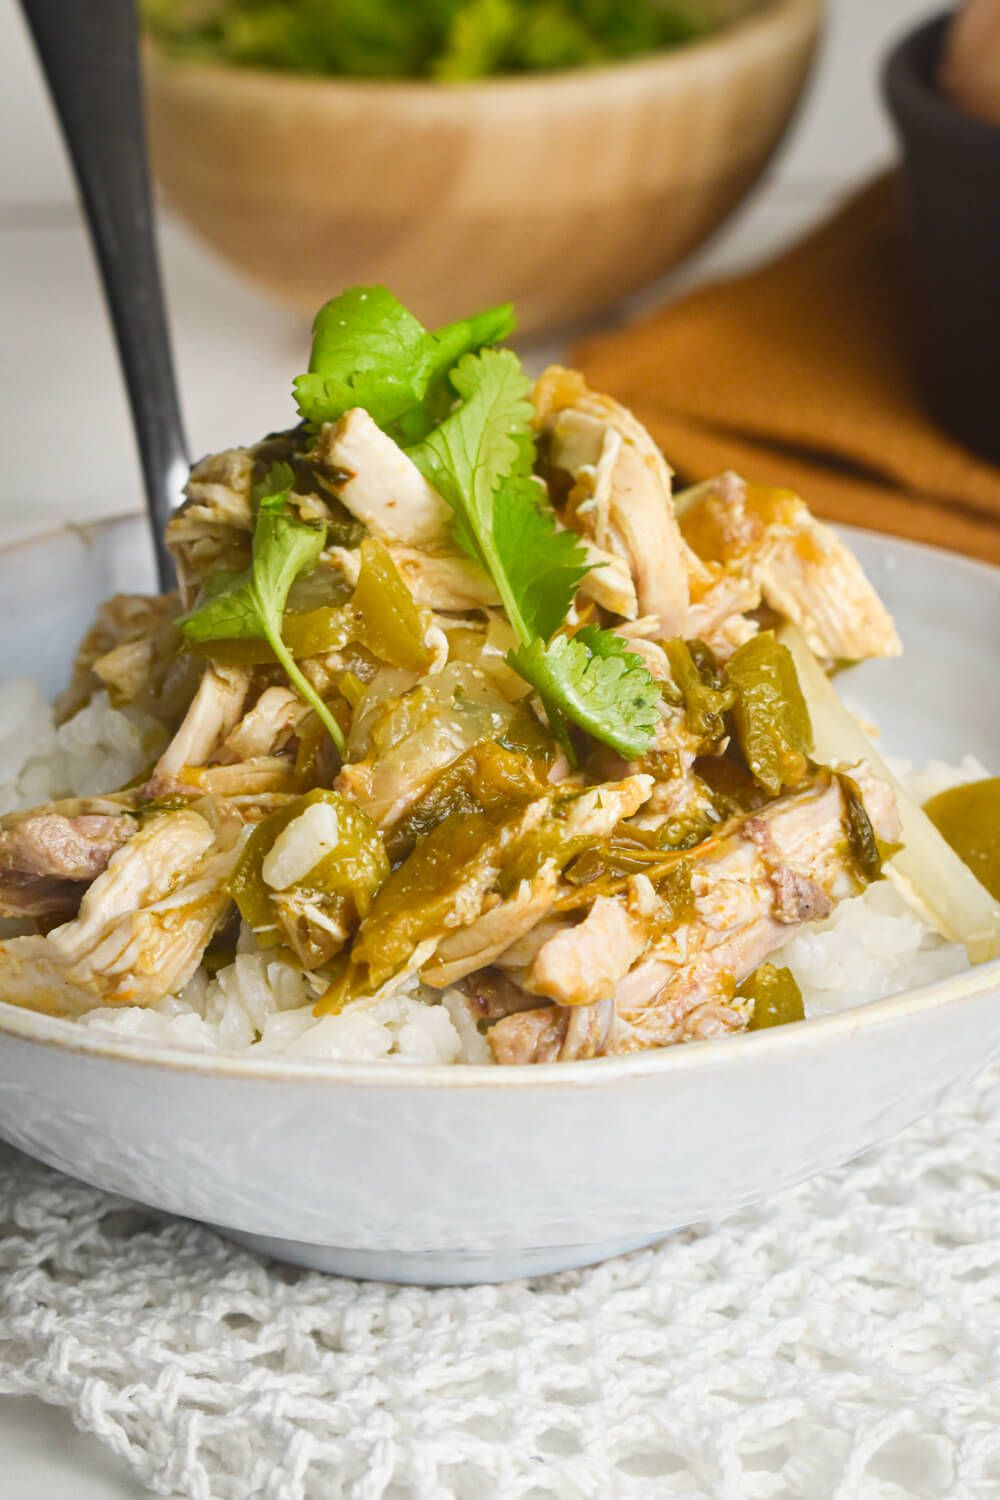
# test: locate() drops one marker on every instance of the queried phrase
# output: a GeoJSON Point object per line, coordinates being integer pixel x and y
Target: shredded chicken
{"type": "Point", "coordinates": [621, 491]}
{"type": "Point", "coordinates": [560, 847]}
{"type": "Point", "coordinates": [212, 529]}
{"type": "Point", "coordinates": [497, 927]}
{"type": "Point", "coordinates": [759, 877]}
{"type": "Point", "coordinates": [720, 609]}
{"type": "Point", "coordinates": [143, 924]}
{"type": "Point", "coordinates": [443, 581]}
{"type": "Point", "coordinates": [49, 856]}
{"type": "Point", "coordinates": [476, 946]}
{"type": "Point", "coordinates": [267, 727]}
{"type": "Point", "coordinates": [609, 582]}
{"type": "Point", "coordinates": [381, 486]}
{"type": "Point", "coordinates": [804, 571]}
{"type": "Point", "coordinates": [584, 963]}
{"type": "Point", "coordinates": [213, 715]}
{"type": "Point", "coordinates": [129, 649]}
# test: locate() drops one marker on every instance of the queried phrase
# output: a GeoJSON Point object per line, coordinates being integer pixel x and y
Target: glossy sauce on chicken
{"type": "Point", "coordinates": [453, 694]}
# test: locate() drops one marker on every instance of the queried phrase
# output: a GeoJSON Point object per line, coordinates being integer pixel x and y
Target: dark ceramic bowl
{"type": "Point", "coordinates": [951, 177]}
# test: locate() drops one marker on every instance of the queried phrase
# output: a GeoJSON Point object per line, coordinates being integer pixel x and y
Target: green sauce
{"type": "Point", "coordinates": [968, 818]}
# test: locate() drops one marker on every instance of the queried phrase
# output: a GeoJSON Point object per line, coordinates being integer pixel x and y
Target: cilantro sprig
{"type": "Point", "coordinates": [250, 605]}
{"type": "Point", "coordinates": [369, 351]}
{"type": "Point", "coordinates": [479, 459]}
{"type": "Point", "coordinates": [463, 412]}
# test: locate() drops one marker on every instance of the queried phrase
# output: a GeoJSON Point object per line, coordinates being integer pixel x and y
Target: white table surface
{"type": "Point", "coordinates": [68, 451]}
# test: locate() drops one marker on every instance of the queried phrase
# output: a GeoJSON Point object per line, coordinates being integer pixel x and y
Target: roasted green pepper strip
{"type": "Point", "coordinates": [354, 870]}
{"type": "Point", "coordinates": [776, 997]}
{"type": "Point", "coordinates": [488, 778]}
{"type": "Point", "coordinates": [699, 687]}
{"type": "Point", "coordinates": [861, 841]}
{"type": "Point", "coordinates": [312, 633]}
{"type": "Point", "coordinates": [381, 616]}
{"type": "Point", "coordinates": [418, 898]}
{"type": "Point", "coordinates": [386, 619]}
{"type": "Point", "coordinates": [770, 715]}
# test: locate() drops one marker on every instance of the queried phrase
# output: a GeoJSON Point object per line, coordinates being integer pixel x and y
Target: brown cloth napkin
{"type": "Point", "coordinates": [805, 373]}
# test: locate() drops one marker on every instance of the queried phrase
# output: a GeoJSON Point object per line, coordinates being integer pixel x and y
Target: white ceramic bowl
{"type": "Point", "coordinates": [437, 1174]}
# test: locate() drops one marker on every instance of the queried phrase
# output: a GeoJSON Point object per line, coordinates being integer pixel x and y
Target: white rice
{"type": "Point", "coordinates": [871, 946]}
{"type": "Point", "coordinates": [262, 1002]}
{"type": "Point", "coordinates": [99, 748]}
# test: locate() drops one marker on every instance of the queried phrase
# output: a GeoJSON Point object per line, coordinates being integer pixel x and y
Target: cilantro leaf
{"type": "Point", "coordinates": [478, 459]}
{"type": "Point", "coordinates": [449, 343]}
{"type": "Point", "coordinates": [595, 681]}
{"type": "Point", "coordinates": [544, 565]}
{"type": "Point", "coordinates": [274, 491]}
{"type": "Point", "coordinates": [251, 604]}
{"type": "Point", "coordinates": [228, 611]}
{"type": "Point", "coordinates": [366, 351]}
{"type": "Point", "coordinates": [476, 447]}
{"type": "Point", "coordinates": [369, 351]}
{"type": "Point", "coordinates": [478, 454]}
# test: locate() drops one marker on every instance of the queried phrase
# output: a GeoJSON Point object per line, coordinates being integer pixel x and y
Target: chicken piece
{"type": "Point", "coordinates": [142, 926]}
{"type": "Point", "coordinates": [751, 884]}
{"type": "Point", "coordinates": [412, 734]}
{"type": "Point", "coordinates": [554, 1034]}
{"type": "Point", "coordinates": [500, 928]}
{"type": "Point", "coordinates": [805, 572]}
{"type": "Point", "coordinates": [530, 1036]}
{"type": "Point", "coordinates": [448, 884]}
{"type": "Point", "coordinates": [621, 497]}
{"type": "Point", "coordinates": [380, 485]}
{"type": "Point", "coordinates": [49, 855]}
{"type": "Point", "coordinates": [476, 946]}
{"type": "Point", "coordinates": [129, 650]}
{"type": "Point", "coordinates": [491, 994]}
{"type": "Point", "coordinates": [386, 491]}
{"type": "Point", "coordinates": [268, 726]}
{"type": "Point", "coordinates": [515, 961]}
{"type": "Point", "coordinates": [249, 784]}
{"type": "Point", "coordinates": [310, 929]}
{"type": "Point", "coordinates": [212, 529]}
{"type": "Point", "coordinates": [609, 582]}
{"type": "Point", "coordinates": [445, 582]}
{"type": "Point", "coordinates": [214, 712]}
{"type": "Point", "coordinates": [584, 963]}
{"type": "Point", "coordinates": [683, 800]}
{"type": "Point", "coordinates": [719, 610]}
{"type": "Point", "coordinates": [597, 811]}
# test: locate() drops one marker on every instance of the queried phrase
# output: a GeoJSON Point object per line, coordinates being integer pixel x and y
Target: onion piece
{"type": "Point", "coordinates": [926, 871]}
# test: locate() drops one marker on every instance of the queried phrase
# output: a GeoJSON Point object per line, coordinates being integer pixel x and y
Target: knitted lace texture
{"type": "Point", "coordinates": [839, 1342]}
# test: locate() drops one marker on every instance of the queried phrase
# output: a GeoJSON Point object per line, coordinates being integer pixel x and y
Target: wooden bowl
{"type": "Point", "coordinates": [562, 192]}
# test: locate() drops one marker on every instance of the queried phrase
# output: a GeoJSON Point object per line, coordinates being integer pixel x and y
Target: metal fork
{"type": "Point", "coordinates": [89, 51]}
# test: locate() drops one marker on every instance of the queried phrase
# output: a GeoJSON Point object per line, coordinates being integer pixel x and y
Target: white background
{"type": "Point", "coordinates": [67, 449]}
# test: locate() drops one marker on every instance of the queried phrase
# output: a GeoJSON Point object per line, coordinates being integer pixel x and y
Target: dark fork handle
{"type": "Point", "coordinates": [90, 54]}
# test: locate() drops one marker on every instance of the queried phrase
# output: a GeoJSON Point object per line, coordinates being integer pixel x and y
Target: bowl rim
{"type": "Point", "coordinates": [767, 15]}
{"type": "Point", "coordinates": [68, 1036]}
{"type": "Point", "coordinates": [910, 89]}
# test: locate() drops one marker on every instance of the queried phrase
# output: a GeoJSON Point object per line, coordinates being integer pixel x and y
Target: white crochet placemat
{"type": "Point", "coordinates": [841, 1342]}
